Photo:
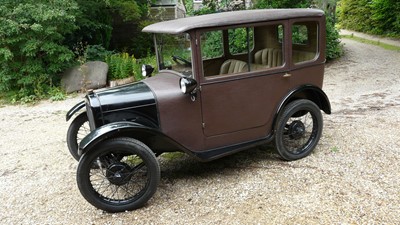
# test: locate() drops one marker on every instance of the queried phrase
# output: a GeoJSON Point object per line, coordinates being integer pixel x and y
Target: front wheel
{"type": "Point", "coordinates": [78, 129]}
{"type": "Point", "coordinates": [121, 175]}
{"type": "Point", "coordinates": [298, 129]}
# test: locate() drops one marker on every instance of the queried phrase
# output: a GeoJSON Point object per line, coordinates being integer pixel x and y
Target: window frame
{"type": "Point", "coordinates": [244, 75]}
{"type": "Point", "coordinates": [318, 39]}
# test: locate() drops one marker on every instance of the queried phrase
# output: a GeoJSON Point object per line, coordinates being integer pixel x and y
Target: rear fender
{"type": "Point", "coordinates": [310, 92]}
{"type": "Point", "coordinates": [75, 109]}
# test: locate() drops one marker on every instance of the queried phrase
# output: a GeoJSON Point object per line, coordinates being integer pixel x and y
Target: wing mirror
{"type": "Point", "coordinates": [147, 70]}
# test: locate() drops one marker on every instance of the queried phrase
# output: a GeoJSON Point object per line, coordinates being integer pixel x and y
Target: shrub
{"type": "Point", "coordinates": [31, 50]}
{"type": "Point", "coordinates": [120, 66]}
{"type": "Point", "coordinates": [96, 53]}
{"type": "Point", "coordinates": [333, 47]}
{"type": "Point", "coordinates": [371, 16]}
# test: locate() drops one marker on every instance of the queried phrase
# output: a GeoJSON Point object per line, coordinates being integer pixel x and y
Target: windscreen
{"type": "Point", "coordinates": [174, 53]}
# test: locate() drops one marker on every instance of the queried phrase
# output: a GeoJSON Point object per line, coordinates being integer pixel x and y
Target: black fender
{"type": "Point", "coordinates": [127, 129]}
{"type": "Point", "coordinates": [310, 92]}
{"type": "Point", "coordinates": [75, 109]}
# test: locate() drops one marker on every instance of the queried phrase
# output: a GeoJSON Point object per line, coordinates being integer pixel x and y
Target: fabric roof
{"type": "Point", "coordinates": [229, 18]}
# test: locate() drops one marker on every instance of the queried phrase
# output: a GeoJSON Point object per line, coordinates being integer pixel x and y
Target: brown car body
{"type": "Point", "coordinates": [234, 109]}
{"type": "Point", "coordinates": [242, 79]}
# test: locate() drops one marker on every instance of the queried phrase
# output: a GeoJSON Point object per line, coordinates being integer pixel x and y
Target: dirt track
{"type": "Point", "coordinates": [353, 176]}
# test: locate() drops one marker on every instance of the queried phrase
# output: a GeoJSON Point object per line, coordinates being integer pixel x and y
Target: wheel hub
{"type": "Point", "coordinates": [119, 173]}
{"type": "Point", "coordinates": [296, 129]}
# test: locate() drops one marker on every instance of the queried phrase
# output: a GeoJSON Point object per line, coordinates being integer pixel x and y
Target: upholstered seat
{"type": "Point", "coordinates": [231, 66]}
{"type": "Point", "coordinates": [273, 57]}
{"type": "Point", "coordinates": [269, 57]}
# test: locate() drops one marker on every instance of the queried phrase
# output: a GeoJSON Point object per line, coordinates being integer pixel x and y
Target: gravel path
{"type": "Point", "coordinates": [353, 176]}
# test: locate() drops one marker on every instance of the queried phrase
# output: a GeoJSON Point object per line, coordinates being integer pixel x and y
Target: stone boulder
{"type": "Point", "coordinates": [91, 75]}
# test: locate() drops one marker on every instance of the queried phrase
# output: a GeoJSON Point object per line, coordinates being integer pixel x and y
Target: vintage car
{"type": "Point", "coordinates": [227, 82]}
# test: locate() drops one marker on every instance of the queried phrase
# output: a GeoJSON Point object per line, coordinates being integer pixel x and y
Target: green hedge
{"type": "Point", "coordinates": [380, 17]}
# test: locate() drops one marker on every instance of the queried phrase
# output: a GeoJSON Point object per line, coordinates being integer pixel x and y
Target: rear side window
{"type": "Point", "coordinates": [269, 52]}
{"type": "Point", "coordinates": [304, 41]}
{"type": "Point", "coordinates": [299, 34]}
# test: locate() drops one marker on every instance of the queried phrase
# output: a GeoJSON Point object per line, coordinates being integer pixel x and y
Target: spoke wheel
{"type": "Point", "coordinates": [298, 129]}
{"type": "Point", "coordinates": [78, 129]}
{"type": "Point", "coordinates": [121, 175]}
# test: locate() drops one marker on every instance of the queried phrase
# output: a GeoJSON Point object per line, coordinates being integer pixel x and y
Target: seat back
{"type": "Point", "coordinates": [231, 66]}
{"type": "Point", "coordinates": [269, 57]}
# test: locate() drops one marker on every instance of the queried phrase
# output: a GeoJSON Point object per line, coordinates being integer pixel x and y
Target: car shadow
{"type": "Point", "coordinates": [185, 167]}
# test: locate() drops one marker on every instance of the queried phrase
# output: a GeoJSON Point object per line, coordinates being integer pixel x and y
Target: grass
{"type": "Point", "coordinates": [334, 149]}
{"type": "Point", "coordinates": [172, 155]}
{"type": "Point", "coordinates": [372, 42]}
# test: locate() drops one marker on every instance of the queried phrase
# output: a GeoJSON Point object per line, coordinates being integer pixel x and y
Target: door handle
{"type": "Point", "coordinates": [287, 75]}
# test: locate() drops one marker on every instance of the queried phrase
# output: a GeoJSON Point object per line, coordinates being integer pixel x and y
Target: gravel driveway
{"type": "Point", "coordinates": [353, 176]}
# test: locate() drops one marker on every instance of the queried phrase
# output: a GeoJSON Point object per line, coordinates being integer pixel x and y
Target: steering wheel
{"type": "Point", "coordinates": [181, 60]}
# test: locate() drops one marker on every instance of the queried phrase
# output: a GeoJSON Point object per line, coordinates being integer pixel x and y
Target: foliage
{"type": "Point", "coordinates": [120, 65]}
{"type": "Point", "coordinates": [31, 49]}
{"type": "Point", "coordinates": [123, 65]}
{"type": "Point", "coordinates": [96, 53]}
{"type": "Point", "coordinates": [94, 24]}
{"type": "Point", "coordinates": [355, 14]}
{"type": "Point", "coordinates": [211, 44]}
{"type": "Point", "coordinates": [333, 47]}
{"type": "Point", "coordinates": [371, 16]}
{"type": "Point", "coordinates": [56, 94]}
{"type": "Point", "coordinates": [266, 4]}
{"type": "Point", "coordinates": [238, 40]}
{"type": "Point", "coordinates": [386, 17]}
{"type": "Point", "coordinates": [142, 43]}
{"type": "Point", "coordinates": [95, 19]}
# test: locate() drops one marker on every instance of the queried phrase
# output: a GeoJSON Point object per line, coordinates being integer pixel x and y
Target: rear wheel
{"type": "Point", "coordinates": [298, 129]}
{"type": "Point", "coordinates": [122, 174]}
{"type": "Point", "coordinates": [78, 129]}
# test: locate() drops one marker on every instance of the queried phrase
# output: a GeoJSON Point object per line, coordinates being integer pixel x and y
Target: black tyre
{"type": "Point", "coordinates": [78, 129]}
{"type": "Point", "coordinates": [298, 129]}
{"type": "Point", "coordinates": [122, 174]}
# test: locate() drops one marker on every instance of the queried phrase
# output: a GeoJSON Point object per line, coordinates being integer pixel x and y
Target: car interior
{"type": "Point", "coordinates": [247, 49]}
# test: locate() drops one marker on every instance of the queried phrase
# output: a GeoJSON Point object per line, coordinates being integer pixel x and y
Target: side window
{"type": "Point", "coordinates": [211, 45]}
{"type": "Point", "coordinates": [280, 33]}
{"type": "Point", "coordinates": [269, 47]}
{"type": "Point", "coordinates": [212, 51]}
{"type": "Point", "coordinates": [248, 49]}
{"type": "Point", "coordinates": [238, 40]}
{"type": "Point", "coordinates": [299, 34]}
{"type": "Point", "coordinates": [304, 41]}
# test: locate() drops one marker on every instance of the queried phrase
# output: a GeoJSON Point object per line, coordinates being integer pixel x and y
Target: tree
{"type": "Point", "coordinates": [31, 49]}
{"type": "Point", "coordinates": [96, 18]}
